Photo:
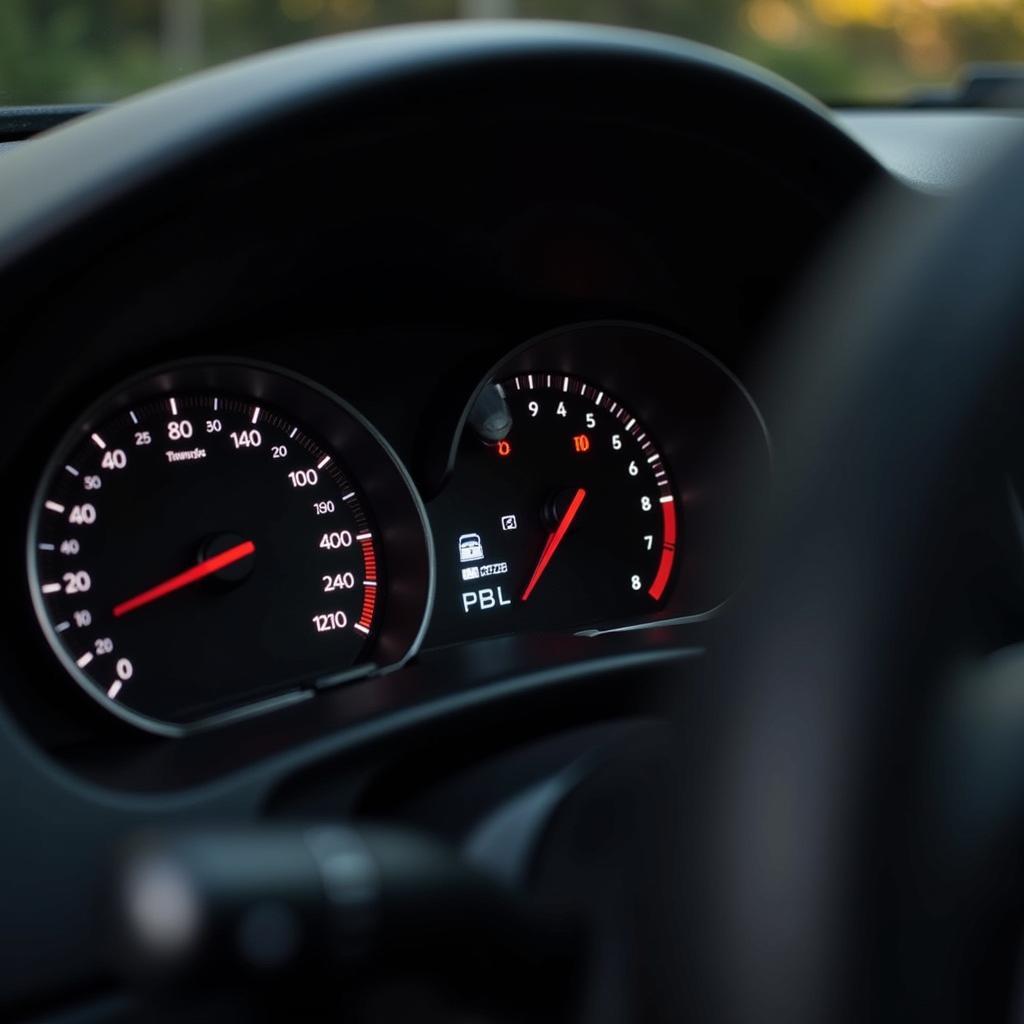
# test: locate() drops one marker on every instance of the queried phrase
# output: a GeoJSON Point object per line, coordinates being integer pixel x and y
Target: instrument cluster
{"type": "Point", "coordinates": [217, 538]}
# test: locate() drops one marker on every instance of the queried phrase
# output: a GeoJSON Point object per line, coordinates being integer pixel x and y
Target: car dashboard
{"type": "Point", "coordinates": [320, 418]}
{"type": "Point", "coordinates": [423, 423]}
{"type": "Point", "coordinates": [275, 520]}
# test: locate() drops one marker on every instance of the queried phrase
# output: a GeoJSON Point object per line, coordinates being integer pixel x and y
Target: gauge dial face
{"type": "Point", "coordinates": [571, 520]}
{"type": "Point", "coordinates": [193, 552]}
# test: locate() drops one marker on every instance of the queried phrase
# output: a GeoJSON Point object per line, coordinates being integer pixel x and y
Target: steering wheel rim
{"type": "Point", "coordinates": [838, 864]}
{"type": "Point", "coordinates": [785, 906]}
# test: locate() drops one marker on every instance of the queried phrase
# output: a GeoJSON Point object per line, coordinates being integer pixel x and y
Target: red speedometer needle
{"type": "Point", "coordinates": [554, 540]}
{"type": "Point", "coordinates": [205, 568]}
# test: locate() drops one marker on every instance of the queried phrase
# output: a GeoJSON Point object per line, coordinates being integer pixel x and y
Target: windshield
{"type": "Point", "coordinates": [854, 51]}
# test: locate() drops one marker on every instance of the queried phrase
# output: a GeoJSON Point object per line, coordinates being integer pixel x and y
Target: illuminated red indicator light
{"type": "Point", "coordinates": [504, 448]}
{"type": "Point", "coordinates": [668, 551]}
{"type": "Point", "coordinates": [581, 443]}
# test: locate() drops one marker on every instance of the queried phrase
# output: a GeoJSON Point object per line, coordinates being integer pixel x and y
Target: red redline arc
{"type": "Point", "coordinates": [205, 568]}
{"type": "Point", "coordinates": [668, 550]}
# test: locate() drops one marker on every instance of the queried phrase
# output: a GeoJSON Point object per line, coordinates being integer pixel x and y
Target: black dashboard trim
{"type": "Point", "coordinates": [94, 162]}
{"type": "Point", "coordinates": [20, 123]}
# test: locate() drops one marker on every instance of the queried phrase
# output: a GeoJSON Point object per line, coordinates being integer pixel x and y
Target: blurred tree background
{"type": "Point", "coordinates": [54, 51]}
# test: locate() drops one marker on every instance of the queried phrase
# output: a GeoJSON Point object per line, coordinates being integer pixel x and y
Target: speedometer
{"type": "Point", "coordinates": [217, 537]}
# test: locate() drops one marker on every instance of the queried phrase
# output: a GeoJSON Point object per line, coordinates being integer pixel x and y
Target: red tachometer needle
{"type": "Point", "coordinates": [205, 568]}
{"type": "Point", "coordinates": [554, 540]}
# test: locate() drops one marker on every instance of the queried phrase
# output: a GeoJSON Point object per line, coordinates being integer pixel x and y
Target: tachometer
{"type": "Point", "coordinates": [570, 519]}
{"type": "Point", "coordinates": [217, 535]}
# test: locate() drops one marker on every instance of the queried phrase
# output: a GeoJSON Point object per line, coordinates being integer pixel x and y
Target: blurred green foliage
{"type": "Point", "coordinates": [54, 51]}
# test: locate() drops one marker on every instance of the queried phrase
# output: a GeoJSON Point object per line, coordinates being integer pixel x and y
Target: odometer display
{"type": "Point", "coordinates": [197, 551]}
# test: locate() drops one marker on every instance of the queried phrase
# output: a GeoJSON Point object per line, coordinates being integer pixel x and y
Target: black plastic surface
{"type": "Point", "coordinates": [388, 214]}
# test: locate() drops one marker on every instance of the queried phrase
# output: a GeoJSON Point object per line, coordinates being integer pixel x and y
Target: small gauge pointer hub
{"type": "Point", "coordinates": [490, 416]}
{"type": "Point", "coordinates": [233, 572]}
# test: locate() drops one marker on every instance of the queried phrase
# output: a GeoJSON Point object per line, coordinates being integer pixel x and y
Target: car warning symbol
{"type": "Point", "coordinates": [470, 548]}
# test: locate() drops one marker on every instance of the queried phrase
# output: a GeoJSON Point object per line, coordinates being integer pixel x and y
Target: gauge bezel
{"type": "Point", "coordinates": [639, 364]}
{"type": "Point", "coordinates": [540, 462]}
{"type": "Point", "coordinates": [403, 530]}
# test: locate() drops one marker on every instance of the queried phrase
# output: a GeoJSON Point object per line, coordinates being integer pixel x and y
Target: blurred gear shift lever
{"type": "Point", "coordinates": [212, 906]}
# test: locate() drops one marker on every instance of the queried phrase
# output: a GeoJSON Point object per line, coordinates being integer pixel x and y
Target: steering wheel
{"type": "Point", "coordinates": [853, 779]}
{"type": "Point", "coordinates": [855, 776]}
